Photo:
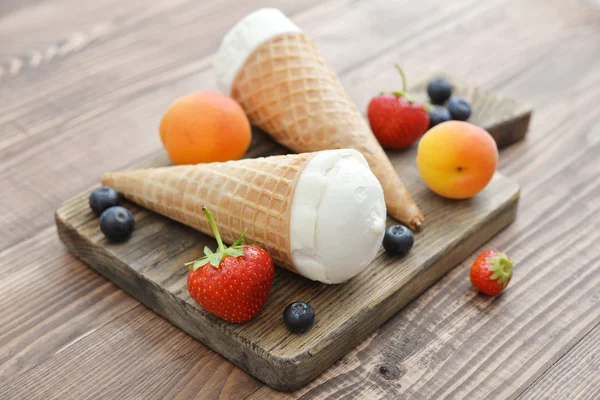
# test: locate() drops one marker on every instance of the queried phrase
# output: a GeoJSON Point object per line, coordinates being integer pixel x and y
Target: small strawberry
{"type": "Point", "coordinates": [491, 272]}
{"type": "Point", "coordinates": [396, 119]}
{"type": "Point", "coordinates": [232, 283]}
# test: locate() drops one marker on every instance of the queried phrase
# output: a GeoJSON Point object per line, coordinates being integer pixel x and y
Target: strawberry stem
{"type": "Point", "coordinates": [214, 259]}
{"type": "Point", "coordinates": [403, 78]}
{"type": "Point", "coordinates": [214, 228]}
{"type": "Point", "coordinates": [405, 95]}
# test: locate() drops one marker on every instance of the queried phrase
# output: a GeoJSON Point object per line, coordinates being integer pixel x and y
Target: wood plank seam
{"type": "Point", "coordinates": [562, 356]}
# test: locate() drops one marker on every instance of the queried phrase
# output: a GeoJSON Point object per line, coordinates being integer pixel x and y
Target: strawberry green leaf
{"type": "Point", "coordinates": [200, 263]}
{"type": "Point", "coordinates": [214, 259]}
{"type": "Point", "coordinates": [235, 251]}
{"type": "Point", "coordinates": [240, 240]}
{"type": "Point", "coordinates": [502, 268]}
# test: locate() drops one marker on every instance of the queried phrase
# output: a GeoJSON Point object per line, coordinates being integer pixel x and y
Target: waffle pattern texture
{"type": "Point", "coordinates": [288, 89]}
{"type": "Point", "coordinates": [254, 194]}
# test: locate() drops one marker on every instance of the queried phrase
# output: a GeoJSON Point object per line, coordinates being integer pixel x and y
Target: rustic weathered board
{"type": "Point", "coordinates": [506, 119]}
{"type": "Point", "coordinates": [150, 267]}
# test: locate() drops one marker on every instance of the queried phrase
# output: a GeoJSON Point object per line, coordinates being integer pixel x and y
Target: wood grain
{"type": "Point", "coordinates": [94, 110]}
{"type": "Point", "coordinates": [59, 302]}
{"type": "Point", "coordinates": [145, 346]}
{"type": "Point", "coordinates": [575, 375]}
{"type": "Point", "coordinates": [150, 267]}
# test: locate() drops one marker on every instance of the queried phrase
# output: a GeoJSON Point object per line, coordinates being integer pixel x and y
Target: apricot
{"type": "Point", "coordinates": [457, 159]}
{"type": "Point", "coordinates": [204, 127]}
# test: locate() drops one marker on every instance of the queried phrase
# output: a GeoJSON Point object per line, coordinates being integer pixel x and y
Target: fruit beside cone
{"type": "Point", "coordinates": [321, 215]}
{"type": "Point", "coordinates": [232, 283]}
{"type": "Point", "coordinates": [288, 89]}
{"type": "Point", "coordinates": [252, 194]}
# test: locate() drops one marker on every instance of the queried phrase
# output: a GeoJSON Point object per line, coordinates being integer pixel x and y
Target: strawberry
{"type": "Point", "coordinates": [396, 119]}
{"type": "Point", "coordinates": [491, 272]}
{"type": "Point", "coordinates": [232, 283]}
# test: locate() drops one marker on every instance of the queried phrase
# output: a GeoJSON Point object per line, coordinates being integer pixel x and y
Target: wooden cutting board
{"type": "Point", "coordinates": [150, 267]}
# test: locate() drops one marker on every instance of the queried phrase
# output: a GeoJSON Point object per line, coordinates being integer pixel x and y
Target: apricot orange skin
{"type": "Point", "coordinates": [205, 127]}
{"type": "Point", "coordinates": [457, 159]}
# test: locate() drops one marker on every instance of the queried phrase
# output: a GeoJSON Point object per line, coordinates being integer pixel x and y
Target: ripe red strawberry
{"type": "Point", "coordinates": [396, 119]}
{"type": "Point", "coordinates": [232, 283]}
{"type": "Point", "coordinates": [491, 272]}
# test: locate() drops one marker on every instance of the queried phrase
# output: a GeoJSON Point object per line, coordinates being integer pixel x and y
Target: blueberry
{"type": "Point", "coordinates": [103, 198]}
{"type": "Point", "coordinates": [117, 223]}
{"type": "Point", "coordinates": [437, 115]}
{"type": "Point", "coordinates": [439, 90]}
{"type": "Point", "coordinates": [299, 317]}
{"type": "Point", "coordinates": [459, 108]}
{"type": "Point", "coordinates": [398, 240]}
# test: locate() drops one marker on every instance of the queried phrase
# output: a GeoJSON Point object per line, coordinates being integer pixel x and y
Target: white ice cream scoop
{"type": "Point", "coordinates": [243, 38]}
{"type": "Point", "coordinates": [338, 217]}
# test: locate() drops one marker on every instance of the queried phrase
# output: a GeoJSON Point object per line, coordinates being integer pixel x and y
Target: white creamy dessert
{"type": "Point", "coordinates": [243, 38]}
{"type": "Point", "coordinates": [338, 217]}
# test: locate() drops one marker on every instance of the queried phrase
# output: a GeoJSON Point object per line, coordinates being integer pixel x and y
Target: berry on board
{"type": "Point", "coordinates": [117, 223]}
{"type": "Point", "coordinates": [299, 317]}
{"type": "Point", "coordinates": [232, 283]}
{"type": "Point", "coordinates": [396, 119]}
{"type": "Point", "coordinates": [439, 90]}
{"type": "Point", "coordinates": [103, 198]}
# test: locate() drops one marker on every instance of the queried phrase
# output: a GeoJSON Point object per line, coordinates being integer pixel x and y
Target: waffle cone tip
{"type": "Point", "coordinates": [416, 224]}
{"type": "Point", "coordinates": [107, 180]}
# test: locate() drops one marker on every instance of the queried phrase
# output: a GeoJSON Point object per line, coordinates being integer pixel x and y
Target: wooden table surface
{"type": "Point", "coordinates": [83, 85]}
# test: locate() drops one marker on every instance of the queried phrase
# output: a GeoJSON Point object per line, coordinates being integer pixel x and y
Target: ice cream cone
{"type": "Point", "coordinates": [288, 89]}
{"type": "Point", "coordinates": [276, 200]}
{"type": "Point", "coordinates": [253, 194]}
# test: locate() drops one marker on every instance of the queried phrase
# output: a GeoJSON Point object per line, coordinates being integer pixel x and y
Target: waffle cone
{"type": "Point", "coordinates": [287, 89]}
{"type": "Point", "coordinates": [253, 194]}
